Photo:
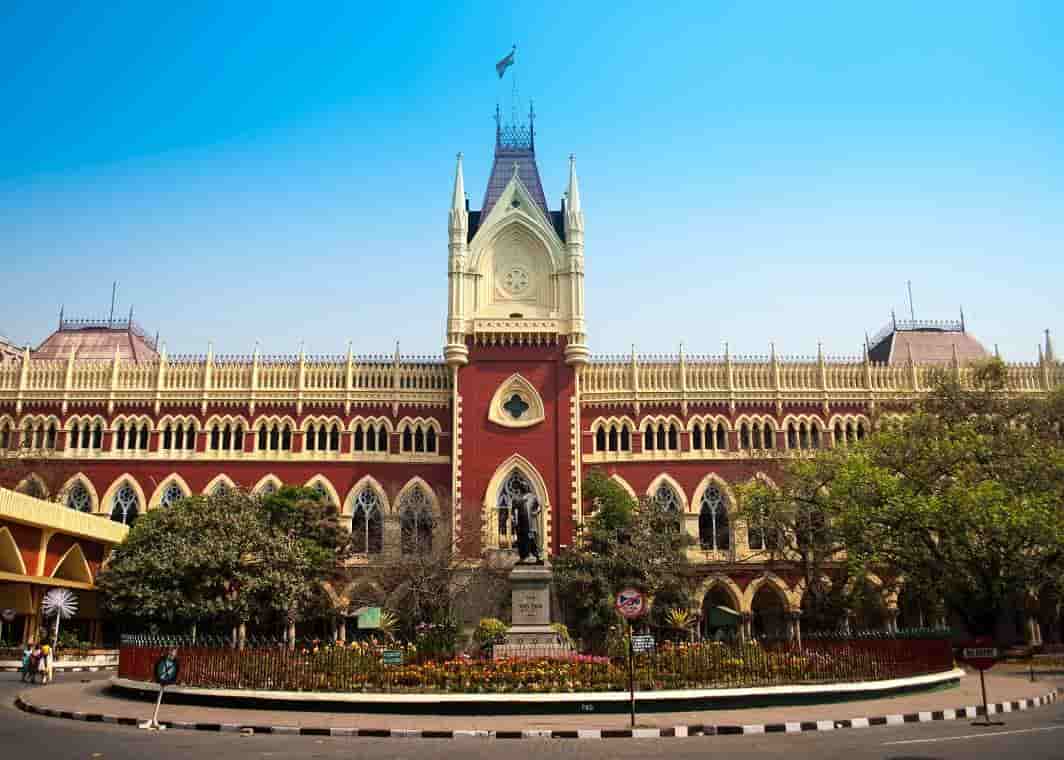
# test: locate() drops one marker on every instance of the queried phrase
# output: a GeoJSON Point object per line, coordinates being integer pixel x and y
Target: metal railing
{"type": "Point", "coordinates": [367, 667]}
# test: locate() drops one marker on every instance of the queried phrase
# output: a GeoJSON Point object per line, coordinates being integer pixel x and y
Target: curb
{"type": "Point", "coordinates": [60, 669]}
{"type": "Point", "coordinates": [795, 727]}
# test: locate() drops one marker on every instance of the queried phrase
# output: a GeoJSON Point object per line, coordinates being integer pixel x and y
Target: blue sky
{"type": "Point", "coordinates": [750, 172]}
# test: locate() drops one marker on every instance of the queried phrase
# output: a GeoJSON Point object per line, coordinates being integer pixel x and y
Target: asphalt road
{"type": "Point", "coordinates": [1033, 735]}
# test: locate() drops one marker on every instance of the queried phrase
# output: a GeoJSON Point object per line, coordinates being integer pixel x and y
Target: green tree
{"type": "Point", "coordinates": [963, 497]}
{"type": "Point", "coordinates": [623, 543]}
{"type": "Point", "coordinates": [226, 558]}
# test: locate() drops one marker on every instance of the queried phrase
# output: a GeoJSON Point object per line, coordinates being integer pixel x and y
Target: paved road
{"type": "Point", "coordinates": [1032, 735]}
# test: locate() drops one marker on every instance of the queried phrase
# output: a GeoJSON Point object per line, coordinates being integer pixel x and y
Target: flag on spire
{"type": "Point", "coordinates": [505, 63]}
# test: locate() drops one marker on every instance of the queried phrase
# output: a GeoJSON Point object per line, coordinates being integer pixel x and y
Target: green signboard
{"type": "Point", "coordinates": [369, 617]}
{"type": "Point", "coordinates": [392, 657]}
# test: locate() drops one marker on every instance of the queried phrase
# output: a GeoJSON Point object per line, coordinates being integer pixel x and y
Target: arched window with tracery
{"type": "Point", "coordinates": [78, 498]}
{"type": "Point", "coordinates": [416, 521]}
{"type": "Point", "coordinates": [665, 497]}
{"type": "Point", "coordinates": [125, 505]}
{"type": "Point", "coordinates": [171, 494]}
{"type": "Point", "coordinates": [713, 521]}
{"type": "Point", "coordinates": [367, 525]}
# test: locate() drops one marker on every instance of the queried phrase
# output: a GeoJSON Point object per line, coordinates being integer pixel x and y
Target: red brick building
{"type": "Point", "coordinates": [517, 402]}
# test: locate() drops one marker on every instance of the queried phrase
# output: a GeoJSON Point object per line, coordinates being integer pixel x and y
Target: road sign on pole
{"type": "Point", "coordinates": [982, 655]}
{"type": "Point", "coordinates": [630, 603]}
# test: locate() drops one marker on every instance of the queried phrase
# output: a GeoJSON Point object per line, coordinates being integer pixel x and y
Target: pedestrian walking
{"type": "Point", "coordinates": [45, 666]}
{"type": "Point", "coordinates": [35, 663]}
{"type": "Point", "coordinates": [27, 662]}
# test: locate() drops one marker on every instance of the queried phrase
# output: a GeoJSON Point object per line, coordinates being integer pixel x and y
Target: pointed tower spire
{"type": "Point", "coordinates": [1050, 356]}
{"type": "Point", "coordinates": [574, 213]}
{"type": "Point", "coordinates": [459, 217]}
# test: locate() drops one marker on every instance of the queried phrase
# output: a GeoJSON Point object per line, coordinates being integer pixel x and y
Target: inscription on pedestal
{"type": "Point", "coordinates": [531, 606]}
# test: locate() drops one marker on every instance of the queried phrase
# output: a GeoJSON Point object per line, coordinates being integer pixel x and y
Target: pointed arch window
{"type": "Point", "coordinates": [744, 436]}
{"type": "Point", "coordinates": [171, 494]}
{"type": "Point", "coordinates": [367, 526]}
{"type": "Point", "coordinates": [668, 501]}
{"type": "Point", "coordinates": [713, 521]}
{"type": "Point", "coordinates": [416, 521]}
{"type": "Point", "coordinates": [334, 438]}
{"type": "Point", "coordinates": [626, 439]}
{"type": "Point", "coordinates": [322, 492]}
{"type": "Point", "coordinates": [696, 437]}
{"type": "Point", "coordinates": [78, 498]}
{"type": "Point", "coordinates": [721, 443]}
{"type": "Point", "coordinates": [5, 435]}
{"type": "Point", "coordinates": [648, 439]}
{"type": "Point", "coordinates": [125, 505]}
{"type": "Point", "coordinates": [600, 439]}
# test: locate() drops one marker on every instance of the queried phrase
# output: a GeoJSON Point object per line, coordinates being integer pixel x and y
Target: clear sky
{"type": "Point", "coordinates": [750, 171]}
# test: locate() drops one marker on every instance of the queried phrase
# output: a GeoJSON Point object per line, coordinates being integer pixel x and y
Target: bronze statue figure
{"type": "Point", "coordinates": [526, 509]}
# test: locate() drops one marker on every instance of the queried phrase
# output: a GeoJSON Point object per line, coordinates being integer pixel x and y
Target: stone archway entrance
{"type": "Point", "coordinates": [721, 619]}
{"type": "Point", "coordinates": [769, 614]}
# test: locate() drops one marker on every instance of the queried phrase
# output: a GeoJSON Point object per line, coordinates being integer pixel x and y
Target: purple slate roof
{"type": "Point", "coordinates": [502, 168]}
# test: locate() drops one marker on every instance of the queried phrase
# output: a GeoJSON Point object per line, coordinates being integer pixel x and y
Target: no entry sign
{"type": "Point", "coordinates": [630, 603]}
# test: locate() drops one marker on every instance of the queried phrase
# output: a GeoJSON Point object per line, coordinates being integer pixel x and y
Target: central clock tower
{"type": "Point", "coordinates": [516, 340]}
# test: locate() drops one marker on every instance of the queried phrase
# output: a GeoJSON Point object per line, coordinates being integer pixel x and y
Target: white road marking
{"type": "Point", "coordinates": [976, 736]}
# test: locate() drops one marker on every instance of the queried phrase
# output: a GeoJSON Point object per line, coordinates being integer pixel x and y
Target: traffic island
{"type": "Point", "coordinates": [96, 702]}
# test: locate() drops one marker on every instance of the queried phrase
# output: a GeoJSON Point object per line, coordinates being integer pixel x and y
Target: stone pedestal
{"type": "Point", "coordinates": [530, 634]}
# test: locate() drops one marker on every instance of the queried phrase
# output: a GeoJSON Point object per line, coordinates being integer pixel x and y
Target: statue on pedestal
{"type": "Point", "coordinates": [526, 510]}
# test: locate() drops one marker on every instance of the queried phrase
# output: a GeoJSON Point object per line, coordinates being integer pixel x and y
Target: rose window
{"type": "Point", "coordinates": [517, 280]}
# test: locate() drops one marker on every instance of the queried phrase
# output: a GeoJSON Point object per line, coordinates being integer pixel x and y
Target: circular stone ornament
{"type": "Point", "coordinates": [517, 280]}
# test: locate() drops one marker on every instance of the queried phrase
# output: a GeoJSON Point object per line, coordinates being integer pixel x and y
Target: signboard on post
{"type": "Point", "coordinates": [392, 657]}
{"type": "Point", "coordinates": [980, 657]}
{"type": "Point", "coordinates": [643, 643]}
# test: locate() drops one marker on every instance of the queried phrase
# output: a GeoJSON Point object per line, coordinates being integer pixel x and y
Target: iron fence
{"type": "Point", "coordinates": [368, 667]}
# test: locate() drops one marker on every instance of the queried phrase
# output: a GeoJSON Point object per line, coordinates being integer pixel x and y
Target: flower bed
{"type": "Point", "coordinates": [360, 668]}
